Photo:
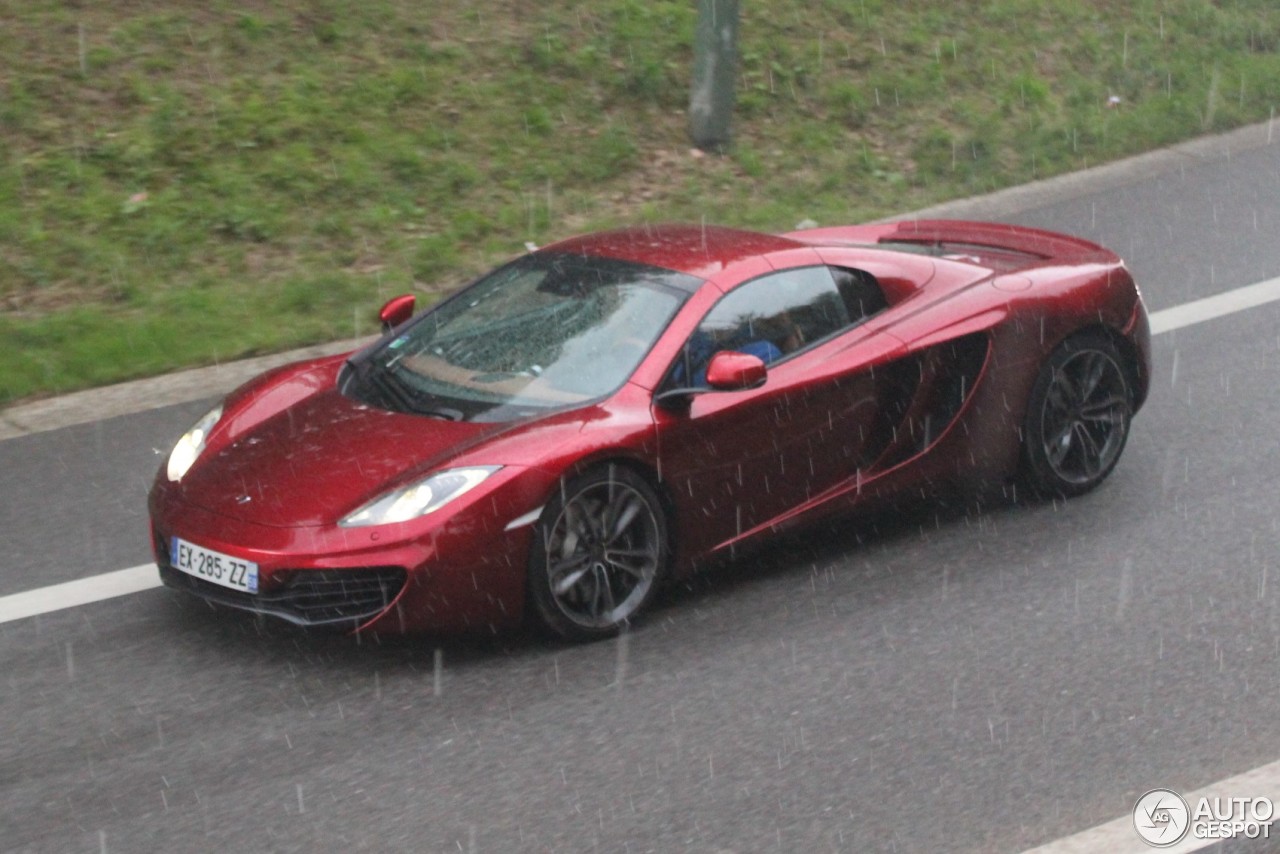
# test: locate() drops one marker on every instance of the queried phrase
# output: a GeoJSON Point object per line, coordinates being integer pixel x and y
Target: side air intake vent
{"type": "Point", "coordinates": [920, 396]}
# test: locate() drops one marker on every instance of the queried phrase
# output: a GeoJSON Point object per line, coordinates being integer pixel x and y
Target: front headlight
{"type": "Point", "coordinates": [419, 499]}
{"type": "Point", "coordinates": [191, 444]}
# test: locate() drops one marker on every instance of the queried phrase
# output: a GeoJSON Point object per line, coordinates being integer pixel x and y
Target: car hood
{"type": "Point", "coordinates": [297, 452]}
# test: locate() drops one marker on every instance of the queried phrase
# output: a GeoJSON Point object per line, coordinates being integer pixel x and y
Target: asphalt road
{"type": "Point", "coordinates": [952, 679]}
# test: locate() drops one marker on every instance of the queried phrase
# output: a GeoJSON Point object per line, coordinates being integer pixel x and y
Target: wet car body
{"type": "Point", "coordinates": [964, 324]}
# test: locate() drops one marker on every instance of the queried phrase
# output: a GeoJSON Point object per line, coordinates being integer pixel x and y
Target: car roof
{"type": "Point", "coordinates": [696, 250]}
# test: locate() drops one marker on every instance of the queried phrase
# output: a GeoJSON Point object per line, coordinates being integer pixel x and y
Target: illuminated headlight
{"type": "Point", "coordinates": [191, 444]}
{"type": "Point", "coordinates": [419, 499]}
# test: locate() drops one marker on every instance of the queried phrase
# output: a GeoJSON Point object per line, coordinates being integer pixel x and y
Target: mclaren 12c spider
{"type": "Point", "coordinates": [556, 439]}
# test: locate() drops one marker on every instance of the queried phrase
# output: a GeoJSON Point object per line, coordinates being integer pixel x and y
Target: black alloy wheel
{"type": "Point", "coordinates": [600, 550]}
{"type": "Point", "coordinates": [1078, 416]}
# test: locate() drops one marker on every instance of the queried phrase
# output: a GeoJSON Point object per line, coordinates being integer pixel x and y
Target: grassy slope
{"type": "Point", "coordinates": [183, 182]}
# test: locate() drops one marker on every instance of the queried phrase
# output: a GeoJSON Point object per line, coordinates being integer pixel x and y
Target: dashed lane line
{"type": "Point", "coordinates": [82, 591]}
{"type": "Point", "coordinates": [1121, 837]}
{"type": "Point", "coordinates": [1218, 305]}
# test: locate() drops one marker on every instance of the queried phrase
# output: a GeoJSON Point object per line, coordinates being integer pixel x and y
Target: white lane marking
{"type": "Point", "coordinates": [1218, 305]}
{"type": "Point", "coordinates": [82, 591]}
{"type": "Point", "coordinates": [1120, 837]}
{"type": "Point", "coordinates": [111, 584]}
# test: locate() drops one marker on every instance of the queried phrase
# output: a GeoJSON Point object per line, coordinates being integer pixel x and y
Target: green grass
{"type": "Point", "coordinates": [187, 182]}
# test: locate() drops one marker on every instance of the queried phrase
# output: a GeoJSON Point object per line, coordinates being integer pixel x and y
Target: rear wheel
{"type": "Point", "coordinates": [600, 549]}
{"type": "Point", "coordinates": [1078, 416]}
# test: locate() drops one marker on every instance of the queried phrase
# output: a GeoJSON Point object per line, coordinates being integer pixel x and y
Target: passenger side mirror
{"type": "Point", "coordinates": [733, 371]}
{"type": "Point", "coordinates": [396, 311]}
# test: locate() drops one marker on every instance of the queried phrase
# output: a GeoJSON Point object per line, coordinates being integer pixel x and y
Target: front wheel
{"type": "Point", "coordinates": [599, 551]}
{"type": "Point", "coordinates": [1077, 417]}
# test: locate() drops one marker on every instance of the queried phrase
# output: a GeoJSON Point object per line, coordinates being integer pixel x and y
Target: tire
{"type": "Point", "coordinates": [600, 551]}
{"type": "Point", "coordinates": [1078, 417]}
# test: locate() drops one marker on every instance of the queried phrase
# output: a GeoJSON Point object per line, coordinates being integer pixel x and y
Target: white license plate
{"type": "Point", "coordinates": [219, 568]}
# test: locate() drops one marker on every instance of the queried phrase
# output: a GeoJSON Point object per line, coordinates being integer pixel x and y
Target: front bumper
{"type": "Point", "coordinates": [457, 571]}
{"type": "Point", "coordinates": [337, 598]}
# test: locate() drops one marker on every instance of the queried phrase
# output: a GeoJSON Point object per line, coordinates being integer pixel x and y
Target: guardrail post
{"type": "Point", "coordinates": [715, 67]}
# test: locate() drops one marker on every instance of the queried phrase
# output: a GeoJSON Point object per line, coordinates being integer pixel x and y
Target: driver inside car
{"type": "Point", "coordinates": [767, 338]}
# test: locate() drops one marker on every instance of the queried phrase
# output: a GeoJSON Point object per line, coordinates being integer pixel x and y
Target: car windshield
{"type": "Point", "coordinates": [543, 332]}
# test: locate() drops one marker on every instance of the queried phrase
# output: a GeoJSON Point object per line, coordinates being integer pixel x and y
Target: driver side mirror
{"type": "Point", "coordinates": [733, 371]}
{"type": "Point", "coordinates": [396, 311]}
{"type": "Point", "coordinates": [728, 370]}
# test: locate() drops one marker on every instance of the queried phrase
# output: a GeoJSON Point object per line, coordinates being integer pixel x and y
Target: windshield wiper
{"type": "Point", "coordinates": [445, 412]}
{"type": "Point", "coordinates": [402, 397]}
{"type": "Point", "coordinates": [393, 393]}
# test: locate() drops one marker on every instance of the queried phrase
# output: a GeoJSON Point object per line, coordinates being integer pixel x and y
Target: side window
{"type": "Point", "coordinates": [860, 292]}
{"type": "Point", "coordinates": [770, 317]}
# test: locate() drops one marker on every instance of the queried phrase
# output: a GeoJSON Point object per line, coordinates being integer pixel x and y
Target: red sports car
{"type": "Point", "coordinates": [557, 438]}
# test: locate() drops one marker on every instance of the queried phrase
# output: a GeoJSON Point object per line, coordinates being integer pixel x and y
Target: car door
{"type": "Point", "coordinates": [740, 461]}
